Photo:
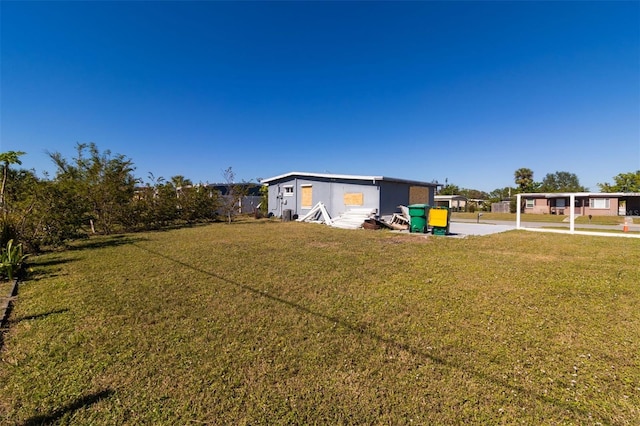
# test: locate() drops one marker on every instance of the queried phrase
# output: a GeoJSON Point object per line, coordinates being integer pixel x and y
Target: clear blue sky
{"type": "Point", "coordinates": [464, 91]}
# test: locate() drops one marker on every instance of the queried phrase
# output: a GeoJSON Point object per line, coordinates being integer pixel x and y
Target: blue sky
{"type": "Point", "coordinates": [463, 91]}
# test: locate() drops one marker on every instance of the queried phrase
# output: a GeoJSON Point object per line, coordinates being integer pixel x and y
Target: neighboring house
{"type": "Point", "coordinates": [246, 204]}
{"type": "Point", "coordinates": [586, 203]}
{"type": "Point", "coordinates": [455, 203]}
{"type": "Point", "coordinates": [250, 202]}
{"type": "Point", "coordinates": [300, 192]}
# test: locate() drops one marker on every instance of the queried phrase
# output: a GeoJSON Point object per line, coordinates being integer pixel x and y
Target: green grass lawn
{"type": "Point", "coordinates": [264, 322]}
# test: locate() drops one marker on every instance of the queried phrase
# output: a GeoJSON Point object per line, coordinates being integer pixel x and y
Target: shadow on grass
{"type": "Point", "coordinates": [388, 341]}
{"type": "Point", "coordinates": [41, 269]}
{"type": "Point", "coordinates": [105, 241]}
{"type": "Point", "coordinates": [39, 316]}
{"type": "Point", "coordinates": [51, 262]}
{"type": "Point", "coordinates": [79, 403]}
{"type": "Point", "coordinates": [251, 221]}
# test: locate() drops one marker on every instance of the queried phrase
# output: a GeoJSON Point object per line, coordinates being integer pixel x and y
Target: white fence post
{"type": "Point", "coordinates": [518, 211]}
{"type": "Point", "coordinates": [572, 215]}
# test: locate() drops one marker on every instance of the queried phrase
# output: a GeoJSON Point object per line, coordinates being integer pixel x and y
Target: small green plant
{"type": "Point", "coordinates": [11, 260]}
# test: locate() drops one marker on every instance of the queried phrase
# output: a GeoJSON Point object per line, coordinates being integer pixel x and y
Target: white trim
{"type": "Point", "coordinates": [450, 197]}
{"type": "Point", "coordinates": [322, 175]}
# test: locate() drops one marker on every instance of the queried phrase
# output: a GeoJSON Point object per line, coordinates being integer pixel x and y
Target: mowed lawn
{"type": "Point", "coordinates": [264, 322]}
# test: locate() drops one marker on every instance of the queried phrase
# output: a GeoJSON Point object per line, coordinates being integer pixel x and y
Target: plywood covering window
{"type": "Point", "coordinates": [353, 199]}
{"type": "Point", "coordinates": [418, 195]}
{"type": "Point", "coordinates": [307, 196]}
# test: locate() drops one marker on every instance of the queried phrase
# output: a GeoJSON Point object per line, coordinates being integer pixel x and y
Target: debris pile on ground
{"type": "Point", "coordinates": [318, 214]}
{"type": "Point", "coordinates": [357, 218]}
{"type": "Point", "coordinates": [353, 219]}
{"type": "Point", "coordinates": [399, 222]}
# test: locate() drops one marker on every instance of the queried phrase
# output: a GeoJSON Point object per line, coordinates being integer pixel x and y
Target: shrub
{"type": "Point", "coordinates": [11, 260]}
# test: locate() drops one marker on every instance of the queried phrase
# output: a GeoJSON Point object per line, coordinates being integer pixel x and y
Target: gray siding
{"type": "Point", "coordinates": [331, 193]}
{"type": "Point", "coordinates": [382, 196]}
{"type": "Point", "coordinates": [370, 197]}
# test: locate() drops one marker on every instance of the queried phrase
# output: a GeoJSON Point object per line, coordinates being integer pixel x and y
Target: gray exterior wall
{"type": "Point", "coordinates": [393, 194]}
{"type": "Point", "coordinates": [330, 192]}
{"type": "Point", "coordinates": [382, 196]}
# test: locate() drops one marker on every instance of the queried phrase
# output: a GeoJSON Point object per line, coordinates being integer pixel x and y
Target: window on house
{"type": "Point", "coordinates": [288, 190]}
{"type": "Point", "coordinates": [599, 203]}
{"type": "Point", "coordinates": [530, 202]}
{"type": "Point", "coordinates": [560, 202]}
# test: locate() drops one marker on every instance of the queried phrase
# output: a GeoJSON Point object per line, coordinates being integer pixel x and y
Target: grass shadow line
{"type": "Point", "coordinates": [104, 242]}
{"type": "Point", "coordinates": [38, 316]}
{"type": "Point", "coordinates": [51, 262]}
{"type": "Point", "coordinates": [82, 402]}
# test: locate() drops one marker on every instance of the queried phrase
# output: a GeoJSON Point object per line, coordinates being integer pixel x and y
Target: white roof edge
{"type": "Point", "coordinates": [323, 175]}
{"type": "Point", "coordinates": [341, 176]}
{"type": "Point", "coordinates": [444, 197]}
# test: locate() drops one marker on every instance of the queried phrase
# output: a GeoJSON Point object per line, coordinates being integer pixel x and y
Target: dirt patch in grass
{"type": "Point", "coordinates": [323, 244]}
{"type": "Point", "coordinates": [529, 257]}
{"type": "Point", "coordinates": [407, 239]}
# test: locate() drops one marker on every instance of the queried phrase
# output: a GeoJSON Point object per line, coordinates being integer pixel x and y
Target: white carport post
{"type": "Point", "coordinates": [572, 209]}
{"type": "Point", "coordinates": [518, 211]}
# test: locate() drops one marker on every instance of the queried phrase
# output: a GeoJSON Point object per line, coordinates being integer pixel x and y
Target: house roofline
{"type": "Point", "coordinates": [373, 179]}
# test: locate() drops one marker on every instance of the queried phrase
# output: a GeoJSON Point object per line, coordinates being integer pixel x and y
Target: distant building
{"type": "Point", "coordinates": [249, 203]}
{"type": "Point", "coordinates": [586, 203]}
{"type": "Point", "coordinates": [455, 203]}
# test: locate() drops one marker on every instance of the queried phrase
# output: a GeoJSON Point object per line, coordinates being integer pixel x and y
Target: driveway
{"type": "Point", "coordinates": [461, 229]}
{"type": "Point", "coordinates": [486, 227]}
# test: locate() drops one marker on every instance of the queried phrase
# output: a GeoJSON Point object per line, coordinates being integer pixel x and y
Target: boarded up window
{"type": "Point", "coordinates": [353, 199]}
{"type": "Point", "coordinates": [419, 195]}
{"type": "Point", "coordinates": [307, 197]}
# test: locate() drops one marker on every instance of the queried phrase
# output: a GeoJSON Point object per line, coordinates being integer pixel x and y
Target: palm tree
{"type": "Point", "coordinates": [180, 181]}
{"type": "Point", "coordinates": [524, 178]}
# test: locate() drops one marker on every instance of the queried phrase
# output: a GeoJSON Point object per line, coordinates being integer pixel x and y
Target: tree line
{"type": "Point", "coordinates": [97, 192]}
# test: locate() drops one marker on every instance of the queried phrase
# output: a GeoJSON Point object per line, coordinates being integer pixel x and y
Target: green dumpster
{"type": "Point", "coordinates": [439, 218]}
{"type": "Point", "coordinates": [418, 213]}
